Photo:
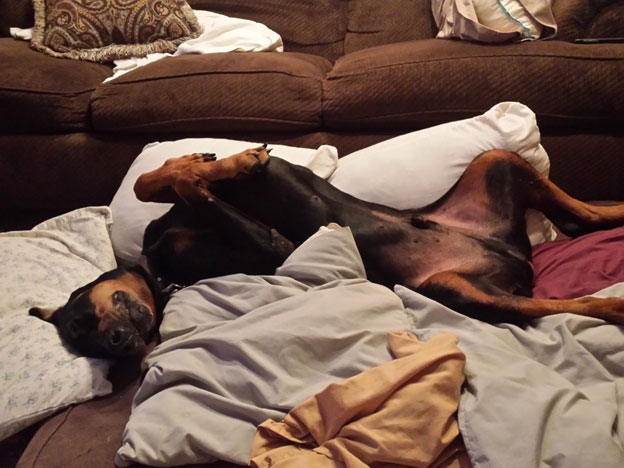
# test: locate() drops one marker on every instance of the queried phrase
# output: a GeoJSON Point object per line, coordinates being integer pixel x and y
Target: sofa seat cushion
{"type": "Point", "coordinates": [264, 91]}
{"type": "Point", "coordinates": [42, 93]}
{"type": "Point", "coordinates": [422, 83]}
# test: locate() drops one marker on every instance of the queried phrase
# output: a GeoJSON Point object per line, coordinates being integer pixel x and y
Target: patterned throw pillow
{"type": "Point", "coordinates": [107, 30]}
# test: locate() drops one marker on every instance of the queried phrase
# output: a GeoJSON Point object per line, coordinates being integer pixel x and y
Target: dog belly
{"type": "Point", "coordinates": [423, 253]}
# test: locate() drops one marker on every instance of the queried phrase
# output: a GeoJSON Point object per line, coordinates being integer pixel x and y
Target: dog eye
{"type": "Point", "coordinates": [74, 328]}
{"type": "Point", "coordinates": [117, 297]}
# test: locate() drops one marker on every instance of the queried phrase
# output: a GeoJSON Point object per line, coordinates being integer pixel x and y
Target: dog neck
{"type": "Point", "coordinates": [160, 296]}
{"type": "Point", "coordinates": [161, 288]}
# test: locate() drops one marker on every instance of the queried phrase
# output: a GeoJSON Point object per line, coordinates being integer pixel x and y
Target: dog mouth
{"type": "Point", "coordinates": [134, 326]}
{"type": "Point", "coordinates": [142, 319]}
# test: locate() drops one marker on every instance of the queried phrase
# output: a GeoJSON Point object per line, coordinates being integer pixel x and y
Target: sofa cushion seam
{"type": "Point", "coordinates": [209, 72]}
{"type": "Point", "coordinates": [40, 92]}
{"type": "Point", "coordinates": [410, 63]}
{"type": "Point", "coordinates": [207, 119]}
{"type": "Point", "coordinates": [461, 111]}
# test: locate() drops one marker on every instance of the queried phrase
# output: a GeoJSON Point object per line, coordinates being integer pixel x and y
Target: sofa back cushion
{"type": "Point", "coordinates": [320, 26]}
{"type": "Point", "coordinates": [588, 18]}
{"type": "Point", "coordinates": [332, 28]}
{"type": "Point", "coordinates": [311, 26]}
{"type": "Point", "coordinates": [15, 13]}
{"type": "Point", "coordinates": [373, 22]}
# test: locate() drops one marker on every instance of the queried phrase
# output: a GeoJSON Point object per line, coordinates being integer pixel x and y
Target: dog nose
{"type": "Point", "coordinates": [118, 337]}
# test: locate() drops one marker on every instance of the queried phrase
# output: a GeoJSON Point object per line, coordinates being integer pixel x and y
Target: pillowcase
{"type": "Point", "coordinates": [40, 268]}
{"type": "Point", "coordinates": [108, 30]}
{"type": "Point", "coordinates": [493, 21]}
{"type": "Point", "coordinates": [416, 169]}
{"type": "Point", "coordinates": [578, 267]}
{"type": "Point", "coordinates": [132, 216]}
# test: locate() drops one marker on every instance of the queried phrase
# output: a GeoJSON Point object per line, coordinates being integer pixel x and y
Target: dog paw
{"type": "Point", "coordinates": [251, 161]}
{"type": "Point", "coordinates": [183, 162]}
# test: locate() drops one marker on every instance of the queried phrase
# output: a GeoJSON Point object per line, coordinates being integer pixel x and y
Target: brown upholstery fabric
{"type": "Point", "coordinates": [426, 82]}
{"type": "Point", "coordinates": [80, 169]}
{"type": "Point", "coordinates": [64, 171]}
{"type": "Point", "coordinates": [268, 91]}
{"type": "Point", "coordinates": [587, 166]}
{"type": "Point", "coordinates": [89, 434]}
{"type": "Point", "coordinates": [15, 13]}
{"type": "Point", "coordinates": [109, 30]}
{"type": "Point", "coordinates": [372, 23]}
{"type": "Point", "coordinates": [311, 26]}
{"type": "Point", "coordinates": [589, 18]}
{"type": "Point", "coordinates": [41, 93]}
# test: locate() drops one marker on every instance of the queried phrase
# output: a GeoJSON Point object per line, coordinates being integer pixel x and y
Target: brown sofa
{"type": "Point", "coordinates": [354, 72]}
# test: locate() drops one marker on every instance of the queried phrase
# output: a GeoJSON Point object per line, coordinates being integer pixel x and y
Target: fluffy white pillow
{"type": "Point", "coordinates": [40, 268]}
{"type": "Point", "coordinates": [416, 169]}
{"type": "Point", "coordinates": [132, 216]}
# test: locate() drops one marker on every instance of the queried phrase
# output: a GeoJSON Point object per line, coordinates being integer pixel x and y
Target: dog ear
{"type": "Point", "coordinates": [43, 314]}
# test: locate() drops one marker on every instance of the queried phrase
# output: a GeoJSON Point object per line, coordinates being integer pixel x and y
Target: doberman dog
{"type": "Point", "coordinates": [246, 213]}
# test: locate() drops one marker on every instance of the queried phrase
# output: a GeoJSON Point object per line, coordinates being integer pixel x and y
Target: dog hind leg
{"type": "Point", "coordinates": [475, 298]}
{"type": "Point", "coordinates": [498, 187]}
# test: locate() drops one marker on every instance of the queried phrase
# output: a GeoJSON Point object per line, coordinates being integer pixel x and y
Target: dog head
{"type": "Point", "coordinates": [114, 316]}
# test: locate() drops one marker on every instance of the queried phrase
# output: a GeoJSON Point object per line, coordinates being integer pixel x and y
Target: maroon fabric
{"type": "Point", "coordinates": [422, 83]}
{"type": "Point", "coordinates": [267, 91]}
{"type": "Point", "coordinates": [578, 267]}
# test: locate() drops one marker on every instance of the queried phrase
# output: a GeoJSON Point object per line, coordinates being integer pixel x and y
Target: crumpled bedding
{"type": "Point", "coordinates": [401, 414]}
{"type": "Point", "coordinates": [220, 33]}
{"type": "Point", "coordinates": [238, 350]}
{"type": "Point", "coordinates": [550, 394]}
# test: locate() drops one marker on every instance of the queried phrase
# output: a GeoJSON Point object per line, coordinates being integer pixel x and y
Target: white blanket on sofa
{"type": "Point", "coordinates": [219, 34]}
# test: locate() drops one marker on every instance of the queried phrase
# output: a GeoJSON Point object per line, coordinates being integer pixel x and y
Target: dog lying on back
{"type": "Point", "coordinates": [247, 213]}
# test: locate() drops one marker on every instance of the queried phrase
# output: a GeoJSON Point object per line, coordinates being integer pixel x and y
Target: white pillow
{"type": "Point", "coordinates": [40, 268]}
{"type": "Point", "coordinates": [132, 216]}
{"type": "Point", "coordinates": [416, 169]}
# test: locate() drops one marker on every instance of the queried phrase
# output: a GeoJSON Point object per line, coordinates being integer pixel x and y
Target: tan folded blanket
{"type": "Point", "coordinates": [402, 413]}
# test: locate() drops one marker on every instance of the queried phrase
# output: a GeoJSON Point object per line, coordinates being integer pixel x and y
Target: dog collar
{"type": "Point", "coordinates": [170, 289]}
{"type": "Point", "coordinates": [164, 287]}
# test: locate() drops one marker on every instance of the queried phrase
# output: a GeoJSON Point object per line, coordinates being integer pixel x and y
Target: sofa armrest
{"type": "Point", "coordinates": [588, 18]}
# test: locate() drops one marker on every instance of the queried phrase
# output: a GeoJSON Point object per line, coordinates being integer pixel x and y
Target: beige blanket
{"type": "Point", "coordinates": [401, 413]}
